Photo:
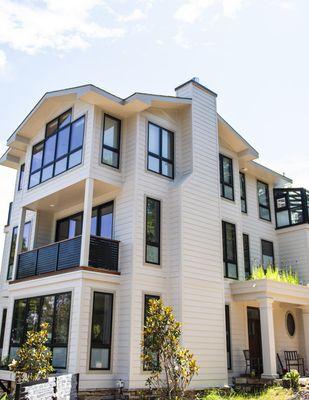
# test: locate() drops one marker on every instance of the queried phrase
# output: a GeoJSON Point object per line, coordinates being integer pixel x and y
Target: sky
{"type": "Point", "coordinates": [253, 53]}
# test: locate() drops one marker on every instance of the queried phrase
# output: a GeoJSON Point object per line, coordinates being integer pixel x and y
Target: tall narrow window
{"type": "Point", "coordinates": [154, 362]}
{"type": "Point", "coordinates": [26, 237]}
{"type": "Point", "coordinates": [2, 330]}
{"type": "Point", "coordinates": [263, 197]}
{"type": "Point", "coordinates": [229, 250]}
{"type": "Point", "coordinates": [153, 231]}
{"type": "Point", "coordinates": [226, 177]}
{"type": "Point", "coordinates": [9, 214]}
{"type": "Point", "coordinates": [101, 331]}
{"type": "Point", "coordinates": [247, 262]}
{"type": "Point", "coordinates": [243, 194]}
{"type": "Point", "coordinates": [21, 176]}
{"type": "Point", "coordinates": [268, 257]}
{"type": "Point", "coordinates": [111, 141]}
{"type": "Point", "coordinates": [102, 220]}
{"type": "Point", "coordinates": [228, 337]}
{"type": "Point", "coordinates": [160, 151]}
{"type": "Point", "coordinates": [12, 253]}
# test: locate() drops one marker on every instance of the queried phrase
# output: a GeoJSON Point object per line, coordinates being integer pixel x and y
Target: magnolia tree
{"type": "Point", "coordinates": [33, 357]}
{"type": "Point", "coordinates": [171, 366]}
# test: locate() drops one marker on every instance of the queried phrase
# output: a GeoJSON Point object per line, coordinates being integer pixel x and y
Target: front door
{"type": "Point", "coordinates": [255, 340]}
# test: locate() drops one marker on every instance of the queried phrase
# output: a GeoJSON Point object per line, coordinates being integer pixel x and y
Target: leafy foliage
{"type": "Point", "coordinates": [277, 393]}
{"type": "Point", "coordinates": [275, 274]}
{"type": "Point", "coordinates": [34, 357]}
{"type": "Point", "coordinates": [293, 377]}
{"type": "Point", "coordinates": [172, 366]}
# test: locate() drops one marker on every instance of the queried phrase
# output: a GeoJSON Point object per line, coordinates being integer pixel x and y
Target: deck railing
{"type": "Point", "coordinates": [291, 206]}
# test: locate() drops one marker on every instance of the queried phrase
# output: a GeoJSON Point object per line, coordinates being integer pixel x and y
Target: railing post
{"type": "Point", "coordinates": [85, 244]}
{"type": "Point", "coordinates": [19, 240]}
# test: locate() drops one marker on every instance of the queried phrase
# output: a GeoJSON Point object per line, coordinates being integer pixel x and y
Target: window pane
{"type": "Point", "coordinates": [94, 222]}
{"type": "Point", "coordinates": [47, 173]}
{"type": "Point", "coordinates": [111, 132]}
{"type": "Point", "coordinates": [107, 225]}
{"type": "Point", "coordinates": [12, 253]}
{"type": "Point", "coordinates": [3, 322]}
{"type": "Point", "coordinates": [99, 358]}
{"type": "Point", "coordinates": [37, 154]}
{"type": "Point", "coordinates": [265, 213]}
{"type": "Point", "coordinates": [247, 262]}
{"type": "Point", "coordinates": [48, 314]}
{"type": "Point", "coordinates": [228, 192]}
{"type": "Point", "coordinates": [154, 139]}
{"type": "Point", "coordinates": [59, 357]}
{"type": "Point", "coordinates": [110, 157]}
{"type": "Point", "coordinates": [34, 179]}
{"type": "Point", "coordinates": [18, 321]}
{"type": "Point", "coordinates": [153, 220]}
{"type": "Point", "coordinates": [153, 164]}
{"type": "Point", "coordinates": [63, 142]}
{"type": "Point", "coordinates": [21, 177]}
{"type": "Point", "coordinates": [283, 218]}
{"type": "Point", "coordinates": [49, 150]}
{"type": "Point", "coordinates": [167, 169]}
{"type": "Point", "coordinates": [75, 158]}
{"type": "Point", "coordinates": [61, 166]}
{"type": "Point", "coordinates": [167, 149]}
{"type": "Point", "coordinates": [65, 119]}
{"type": "Point", "coordinates": [62, 230]}
{"type": "Point", "coordinates": [26, 237]}
{"type": "Point", "coordinates": [227, 170]}
{"type": "Point", "coordinates": [232, 270]}
{"type": "Point", "coordinates": [32, 317]}
{"type": "Point", "coordinates": [152, 254]}
{"type": "Point", "coordinates": [230, 242]}
{"type": "Point", "coordinates": [51, 127]}
{"type": "Point", "coordinates": [75, 226]}
{"type": "Point", "coordinates": [77, 134]}
{"type": "Point", "coordinates": [263, 194]}
{"type": "Point", "coordinates": [267, 253]}
{"type": "Point", "coordinates": [102, 319]}
{"type": "Point", "coordinates": [296, 216]}
{"type": "Point", "coordinates": [62, 319]}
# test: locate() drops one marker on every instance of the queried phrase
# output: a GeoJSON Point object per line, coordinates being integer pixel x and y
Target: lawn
{"type": "Point", "coordinates": [277, 393]}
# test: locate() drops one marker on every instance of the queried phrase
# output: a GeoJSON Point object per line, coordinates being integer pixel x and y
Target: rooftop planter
{"type": "Point", "coordinates": [275, 274]}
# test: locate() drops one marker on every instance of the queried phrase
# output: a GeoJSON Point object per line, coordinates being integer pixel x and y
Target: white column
{"type": "Point", "coordinates": [19, 240]}
{"type": "Point", "coordinates": [268, 339]}
{"type": "Point", "coordinates": [84, 253]}
{"type": "Point", "coordinates": [305, 313]}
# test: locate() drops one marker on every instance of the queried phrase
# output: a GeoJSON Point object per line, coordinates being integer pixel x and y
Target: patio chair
{"type": "Point", "coordinates": [293, 361]}
{"type": "Point", "coordinates": [252, 363]}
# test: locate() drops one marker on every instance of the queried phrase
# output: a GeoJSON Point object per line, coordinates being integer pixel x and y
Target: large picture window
{"type": "Point", "coordinates": [2, 330]}
{"type": "Point", "coordinates": [229, 250]}
{"type": "Point", "coordinates": [243, 194]}
{"type": "Point", "coordinates": [153, 211]}
{"type": "Point", "coordinates": [268, 257]}
{"type": "Point", "coordinates": [226, 177]}
{"type": "Point", "coordinates": [101, 331]}
{"type": "Point", "coordinates": [154, 357]}
{"type": "Point", "coordinates": [228, 337]}
{"type": "Point", "coordinates": [31, 312]}
{"type": "Point", "coordinates": [263, 197]}
{"type": "Point", "coordinates": [160, 150]}
{"type": "Point", "coordinates": [60, 151]}
{"type": "Point", "coordinates": [111, 141]}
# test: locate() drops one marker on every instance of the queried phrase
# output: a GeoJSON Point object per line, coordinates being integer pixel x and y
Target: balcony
{"type": "Point", "coordinates": [291, 207]}
{"type": "Point", "coordinates": [65, 255]}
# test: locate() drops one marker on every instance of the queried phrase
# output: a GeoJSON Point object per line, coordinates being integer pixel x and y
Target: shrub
{"type": "Point", "coordinates": [292, 379]}
{"type": "Point", "coordinates": [172, 367]}
{"type": "Point", "coordinates": [275, 274]}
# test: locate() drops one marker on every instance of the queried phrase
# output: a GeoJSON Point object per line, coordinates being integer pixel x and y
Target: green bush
{"type": "Point", "coordinates": [292, 378]}
{"type": "Point", "coordinates": [275, 274]}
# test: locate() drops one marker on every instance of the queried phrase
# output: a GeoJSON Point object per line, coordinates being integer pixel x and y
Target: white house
{"type": "Point", "coordinates": [118, 200]}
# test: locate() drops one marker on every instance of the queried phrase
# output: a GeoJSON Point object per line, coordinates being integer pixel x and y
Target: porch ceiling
{"type": "Point", "coordinates": [278, 291]}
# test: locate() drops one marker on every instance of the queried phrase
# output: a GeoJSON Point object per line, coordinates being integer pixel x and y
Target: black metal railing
{"type": "Point", "coordinates": [66, 254]}
{"type": "Point", "coordinates": [291, 206]}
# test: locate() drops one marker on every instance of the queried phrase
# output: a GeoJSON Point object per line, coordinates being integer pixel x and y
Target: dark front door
{"type": "Point", "coordinates": [255, 340]}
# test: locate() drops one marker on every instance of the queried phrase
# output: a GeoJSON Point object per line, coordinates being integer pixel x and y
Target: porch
{"type": "Point", "coordinates": [272, 317]}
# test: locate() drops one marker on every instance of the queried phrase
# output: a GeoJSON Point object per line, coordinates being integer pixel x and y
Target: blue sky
{"type": "Point", "coordinates": [253, 53]}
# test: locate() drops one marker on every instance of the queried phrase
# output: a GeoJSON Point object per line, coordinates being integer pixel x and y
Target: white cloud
{"type": "Point", "coordinates": [232, 7]}
{"type": "Point", "coordinates": [33, 26]}
{"type": "Point", "coordinates": [3, 60]}
{"type": "Point", "coordinates": [136, 15]}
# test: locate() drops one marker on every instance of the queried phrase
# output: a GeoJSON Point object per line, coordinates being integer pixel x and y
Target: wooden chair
{"type": "Point", "coordinates": [293, 361]}
{"type": "Point", "coordinates": [252, 363]}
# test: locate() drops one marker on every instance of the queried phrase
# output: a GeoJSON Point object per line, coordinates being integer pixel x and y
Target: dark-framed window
{"type": "Point", "coordinates": [243, 192]}
{"type": "Point", "coordinates": [291, 206]}
{"type": "Point", "coordinates": [9, 214]}
{"type": "Point", "coordinates": [153, 222]}
{"type": "Point", "coordinates": [30, 312]}
{"type": "Point", "coordinates": [101, 331]}
{"type": "Point", "coordinates": [268, 257]}
{"type": "Point", "coordinates": [160, 158]}
{"type": "Point", "coordinates": [60, 151]}
{"type": "Point", "coordinates": [155, 360]}
{"type": "Point", "coordinates": [263, 198]}
{"type": "Point", "coordinates": [111, 141]}
{"type": "Point", "coordinates": [229, 250]}
{"type": "Point", "coordinates": [2, 330]}
{"type": "Point", "coordinates": [69, 227]}
{"type": "Point", "coordinates": [226, 177]}
{"type": "Point", "coordinates": [21, 177]}
{"type": "Point", "coordinates": [247, 262]}
{"type": "Point", "coordinates": [228, 336]}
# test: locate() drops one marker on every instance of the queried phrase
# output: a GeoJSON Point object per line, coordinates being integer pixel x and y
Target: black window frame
{"type": "Point", "coordinates": [2, 330]}
{"type": "Point", "coordinates": [247, 259]}
{"type": "Point", "coordinates": [147, 298]}
{"type": "Point", "coordinates": [224, 183]}
{"type": "Point", "coordinates": [59, 221]}
{"type": "Point", "coordinates": [243, 193]}
{"type": "Point", "coordinates": [110, 148]}
{"type": "Point", "coordinates": [158, 229]}
{"type": "Point", "coordinates": [262, 206]}
{"type": "Point", "coordinates": [295, 200]}
{"type": "Point", "coordinates": [228, 337]}
{"type": "Point", "coordinates": [21, 177]}
{"type": "Point", "coordinates": [160, 157]}
{"type": "Point", "coordinates": [8, 222]}
{"type": "Point", "coordinates": [9, 274]}
{"type": "Point", "coordinates": [52, 344]}
{"type": "Point", "coordinates": [109, 347]}
{"type": "Point", "coordinates": [226, 260]}
{"type": "Point", "coordinates": [267, 242]}
{"type": "Point", "coordinates": [55, 158]}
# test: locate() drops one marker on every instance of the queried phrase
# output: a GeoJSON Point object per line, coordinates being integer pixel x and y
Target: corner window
{"type": "Point", "coordinates": [228, 337]}
{"type": "Point", "coordinates": [247, 262]}
{"type": "Point", "coordinates": [229, 250]}
{"type": "Point", "coordinates": [29, 313]}
{"type": "Point", "coordinates": [153, 211]}
{"type": "Point", "coordinates": [290, 324]}
{"type": "Point", "coordinates": [21, 177]}
{"type": "Point", "coordinates": [263, 197]}
{"type": "Point", "coordinates": [243, 194]}
{"type": "Point", "coordinates": [154, 357]}
{"type": "Point", "coordinates": [2, 330]}
{"type": "Point", "coordinates": [160, 157]}
{"type": "Point", "coordinates": [267, 253]}
{"type": "Point", "coordinates": [101, 331]}
{"type": "Point", "coordinates": [60, 151]}
{"type": "Point", "coordinates": [111, 141]}
{"type": "Point", "coordinates": [226, 177]}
